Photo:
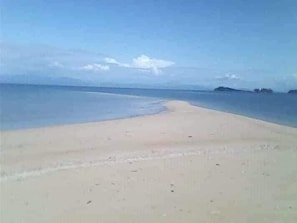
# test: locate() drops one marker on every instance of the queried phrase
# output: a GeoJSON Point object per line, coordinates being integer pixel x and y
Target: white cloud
{"type": "Point", "coordinates": [19, 59]}
{"type": "Point", "coordinates": [114, 61]}
{"type": "Point", "coordinates": [155, 65]}
{"type": "Point", "coordinates": [110, 60]}
{"type": "Point", "coordinates": [95, 67]}
{"type": "Point", "coordinates": [228, 76]}
{"type": "Point", "coordinates": [143, 63]}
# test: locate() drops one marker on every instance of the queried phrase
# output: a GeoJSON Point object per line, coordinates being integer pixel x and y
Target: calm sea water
{"type": "Point", "coordinates": [26, 106]}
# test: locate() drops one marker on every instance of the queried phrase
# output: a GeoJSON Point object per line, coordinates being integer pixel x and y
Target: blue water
{"type": "Point", "coordinates": [26, 106]}
{"type": "Point", "coordinates": [280, 108]}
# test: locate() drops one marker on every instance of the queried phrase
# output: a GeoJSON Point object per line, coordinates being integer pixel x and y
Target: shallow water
{"type": "Point", "coordinates": [36, 106]}
{"type": "Point", "coordinates": [27, 106]}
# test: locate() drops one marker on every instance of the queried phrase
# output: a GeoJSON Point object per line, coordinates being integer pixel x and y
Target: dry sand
{"type": "Point", "coordinates": [189, 164]}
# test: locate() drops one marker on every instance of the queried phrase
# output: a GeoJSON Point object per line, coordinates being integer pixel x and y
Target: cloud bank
{"type": "Point", "coordinates": [95, 67]}
{"type": "Point", "coordinates": [27, 59]}
{"type": "Point", "coordinates": [155, 65]}
{"type": "Point", "coordinates": [99, 69]}
{"type": "Point", "coordinates": [109, 60]}
{"type": "Point", "coordinates": [143, 62]}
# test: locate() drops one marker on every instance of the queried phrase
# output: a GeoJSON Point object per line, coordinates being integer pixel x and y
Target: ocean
{"type": "Point", "coordinates": [30, 106]}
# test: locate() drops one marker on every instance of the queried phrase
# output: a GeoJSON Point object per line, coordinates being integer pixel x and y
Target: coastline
{"type": "Point", "coordinates": [139, 159]}
{"type": "Point", "coordinates": [163, 109]}
{"type": "Point", "coordinates": [128, 106]}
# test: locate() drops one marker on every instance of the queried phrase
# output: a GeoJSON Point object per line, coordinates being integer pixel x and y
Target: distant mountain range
{"type": "Point", "coordinates": [42, 80]}
{"type": "Point", "coordinates": [37, 79]}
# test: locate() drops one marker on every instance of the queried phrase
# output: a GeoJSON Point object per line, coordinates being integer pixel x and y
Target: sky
{"type": "Point", "coordinates": [166, 43]}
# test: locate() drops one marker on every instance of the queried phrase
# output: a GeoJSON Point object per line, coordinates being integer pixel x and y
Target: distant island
{"type": "Point", "coordinates": [292, 91]}
{"type": "Point", "coordinates": [263, 90]}
{"type": "Point", "coordinates": [221, 88]}
{"type": "Point", "coordinates": [257, 90]}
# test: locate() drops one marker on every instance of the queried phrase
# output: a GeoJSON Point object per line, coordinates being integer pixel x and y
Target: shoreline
{"type": "Point", "coordinates": [187, 164]}
{"type": "Point", "coordinates": [161, 102]}
{"type": "Point", "coordinates": [24, 141]}
{"type": "Point", "coordinates": [80, 123]}
{"type": "Point", "coordinates": [171, 108]}
{"type": "Point", "coordinates": [165, 110]}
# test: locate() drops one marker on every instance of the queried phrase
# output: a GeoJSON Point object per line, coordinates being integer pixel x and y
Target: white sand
{"type": "Point", "coordinates": [186, 165]}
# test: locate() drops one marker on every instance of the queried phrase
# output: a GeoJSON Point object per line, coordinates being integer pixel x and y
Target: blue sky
{"type": "Point", "coordinates": [167, 43]}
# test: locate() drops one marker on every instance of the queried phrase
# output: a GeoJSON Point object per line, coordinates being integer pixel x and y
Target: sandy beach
{"type": "Point", "coordinates": [188, 164]}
